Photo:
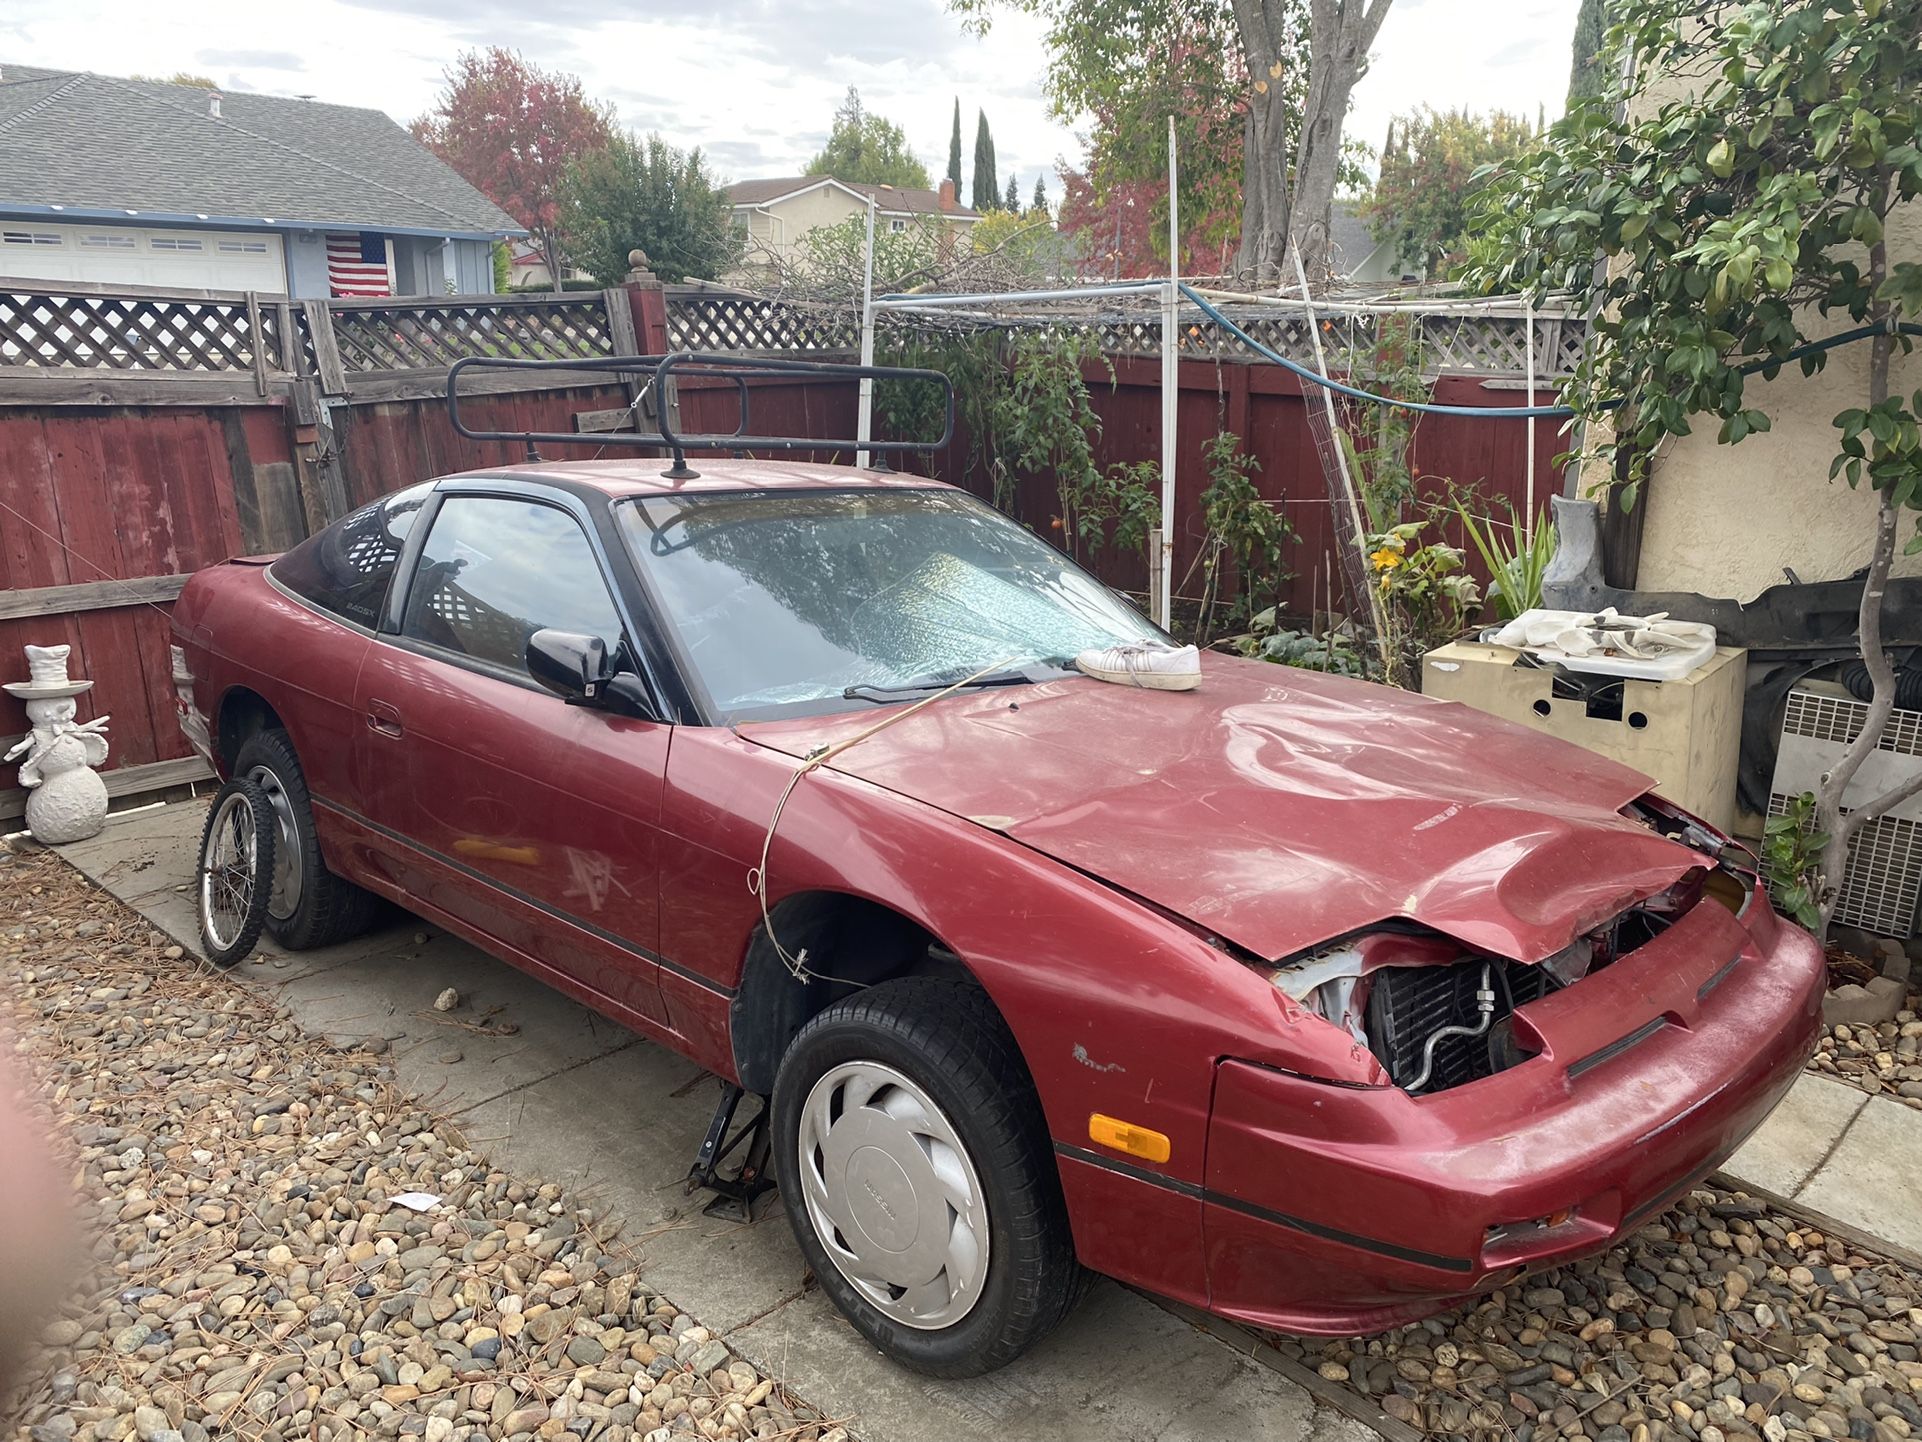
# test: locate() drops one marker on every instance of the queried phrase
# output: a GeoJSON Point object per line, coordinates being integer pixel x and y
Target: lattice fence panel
{"type": "Point", "coordinates": [127, 333]}
{"type": "Point", "coordinates": [431, 334]}
{"type": "Point", "coordinates": [754, 323]}
{"type": "Point", "coordinates": [1454, 343]}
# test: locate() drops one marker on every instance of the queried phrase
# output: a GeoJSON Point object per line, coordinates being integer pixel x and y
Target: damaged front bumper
{"type": "Point", "coordinates": [1643, 1078]}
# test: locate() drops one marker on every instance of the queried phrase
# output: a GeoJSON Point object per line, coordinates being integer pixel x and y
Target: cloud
{"type": "Point", "coordinates": [252, 59]}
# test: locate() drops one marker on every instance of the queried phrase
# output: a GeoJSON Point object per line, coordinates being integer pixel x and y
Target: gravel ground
{"type": "Point", "coordinates": [1720, 1320]}
{"type": "Point", "coordinates": [253, 1272]}
{"type": "Point", "coordinates": [1883, 1060]}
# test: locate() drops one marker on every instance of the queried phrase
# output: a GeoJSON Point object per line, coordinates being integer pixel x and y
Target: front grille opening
{"type": "Point", "coordinates": [1410, 1005]}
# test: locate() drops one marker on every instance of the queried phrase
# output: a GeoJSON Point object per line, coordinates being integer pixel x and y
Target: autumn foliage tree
{"type": "Point", "coordinates": [511, 129]}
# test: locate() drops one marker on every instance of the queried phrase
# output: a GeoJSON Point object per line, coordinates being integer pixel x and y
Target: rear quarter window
{"type": "Point", "coordinates": [345, 569]}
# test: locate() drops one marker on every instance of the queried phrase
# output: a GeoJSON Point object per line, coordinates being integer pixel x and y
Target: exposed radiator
{"type": "Point", "coordinates": [1884, 875]}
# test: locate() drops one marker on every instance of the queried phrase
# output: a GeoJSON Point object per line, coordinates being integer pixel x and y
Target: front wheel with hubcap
{"type": "Point", "coordinates": [235, 875]}
{"type": "Point", "coordinates": [919, 1178]}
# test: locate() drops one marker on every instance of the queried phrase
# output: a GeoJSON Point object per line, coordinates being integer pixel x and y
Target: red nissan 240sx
{"type": "Point", "coordinates": [1312, 1003]}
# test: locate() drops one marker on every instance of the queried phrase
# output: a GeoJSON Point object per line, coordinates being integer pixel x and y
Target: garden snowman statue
{"type": "Point", "coordinates": [66, 801]}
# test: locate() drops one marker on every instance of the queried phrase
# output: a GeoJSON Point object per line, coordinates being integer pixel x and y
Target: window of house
{"type": "Point", "coordinates": [107, 242]}
{"type": "Point", "coordinates": [496, 570]}
{"type": "Point", "coordinates": [175, 242]}
{"type": "Point", "coordinates": [28, 237]}
{"type": "Point", "coordinates": [345, 568]}
{"type": "Point", "coordinates": [244, 247]}
{"type": "Point", "coordinates": [897, 226]}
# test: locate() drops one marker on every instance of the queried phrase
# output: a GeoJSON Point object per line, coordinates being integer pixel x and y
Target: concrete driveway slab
{"type": "Point", "coordinates": [1788, 1147]}
{"type": "Point", "coordinates": [1120, 1368]}
{"type": "Point", "coordinates": [1873, 1177]}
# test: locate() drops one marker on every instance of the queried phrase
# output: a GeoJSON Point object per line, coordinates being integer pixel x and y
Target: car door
{"type": "Point", "coordinates": [531, 821]}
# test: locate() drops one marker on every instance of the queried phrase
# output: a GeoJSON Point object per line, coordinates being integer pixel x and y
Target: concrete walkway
{"type": "Point", "coordinates": [572, 1098]}
{"type": "Point", "coordinates": [1836, 1151]}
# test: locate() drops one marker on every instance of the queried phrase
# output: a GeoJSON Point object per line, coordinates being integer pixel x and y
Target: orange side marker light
{"type": "Point", "coordinates": [1143, 1142]}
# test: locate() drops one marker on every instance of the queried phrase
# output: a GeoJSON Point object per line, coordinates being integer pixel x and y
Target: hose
{"type": "Point", "coordinates": [1484, 1003]}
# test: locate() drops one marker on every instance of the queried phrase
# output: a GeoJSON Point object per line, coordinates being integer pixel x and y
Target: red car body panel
{"type": "Point", "coordinates": [1114, 867]}
{"type": "Point", "coordinates": [1279, 807]}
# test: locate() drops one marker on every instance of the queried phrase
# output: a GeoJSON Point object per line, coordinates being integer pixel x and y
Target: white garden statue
{"type": "Point", "coordinates": [66, 801]}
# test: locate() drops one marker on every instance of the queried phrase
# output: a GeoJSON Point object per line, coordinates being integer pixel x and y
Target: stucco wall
{"type": "Point", "coordinates": [1725, 520]}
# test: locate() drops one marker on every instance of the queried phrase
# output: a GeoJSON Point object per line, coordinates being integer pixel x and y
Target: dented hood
{"type": "Point", "coordinates": [1278, 808]}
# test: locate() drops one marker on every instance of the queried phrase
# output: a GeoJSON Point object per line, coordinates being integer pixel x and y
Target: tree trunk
{"type": "Point", "coordinates": [1829, 819]}
{"type": "Point", "coordinates": [551, 258]}
{"type": "Point", "coordinates": [1280, 209]}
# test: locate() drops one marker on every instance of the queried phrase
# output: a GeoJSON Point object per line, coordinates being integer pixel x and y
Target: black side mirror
{"type": "Point", "coordinates": [578, 669]}
{"type": "Point", "coordinates": [571, 665]}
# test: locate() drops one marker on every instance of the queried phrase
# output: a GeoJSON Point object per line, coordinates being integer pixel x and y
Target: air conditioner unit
{"type": "Point", "coordinates": [1884, 876]}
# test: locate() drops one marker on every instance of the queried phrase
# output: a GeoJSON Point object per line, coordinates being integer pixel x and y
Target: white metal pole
{"type": "Point", "coordinates": [864, 419]}
{"type": "Point", "coordinates": [1170, 394]}
{"type": "Point", "coordinates": [1528, 514]}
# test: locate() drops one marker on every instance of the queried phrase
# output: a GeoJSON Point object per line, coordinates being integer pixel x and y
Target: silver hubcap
{"type": "Point", "coordinates": [284, 899]}
{"type": "Point", "coordinates": [227, 872]}
{"type": "Point", "coordinates": [893, 1195]}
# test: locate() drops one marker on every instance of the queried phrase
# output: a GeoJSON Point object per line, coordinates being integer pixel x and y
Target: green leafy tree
{"type": "Point", "coordinates": [987, 194]}
{"type": "Point", "coordinates": [1429, 173]}
{"type": "Point", "coordinates": [503, 266]}
{"type": "Point", "coordinates": [647, 194]}
{"type": "Point", "coordinates": [868, 149]}
{"type": "Point", "coordinates": [1011, 201]}
{"type": "Point", "coordinates": [1039, 205]}
{"type": "Point", "coordinates": [1272, 78]}
{"type": "Point", "coordinates": [1586, 78]}
{"type": "Point", "coordinates": [954, 149]}
{"type": "Point", "coordinates": [1741, 221]}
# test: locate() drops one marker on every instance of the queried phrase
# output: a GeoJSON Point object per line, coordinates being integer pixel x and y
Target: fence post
{"type": "Point", "coordinates": [320, 325]}
{"type": "Point", "coordinates": [647, 301]}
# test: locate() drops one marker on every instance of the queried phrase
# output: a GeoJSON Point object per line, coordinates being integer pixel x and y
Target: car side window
{"type": "Point", "coordinates": [495, 570]}
{"type": "Point", "coordinates": [345, 568]}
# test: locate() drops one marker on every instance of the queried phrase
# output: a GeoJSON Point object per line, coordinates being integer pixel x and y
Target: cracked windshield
{"type": "Point", "coordinates": [811, 600]}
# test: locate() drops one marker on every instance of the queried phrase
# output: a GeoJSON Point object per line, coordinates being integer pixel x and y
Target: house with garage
{"type": "Point", "coordinates": [772, 215]}
{"type": "Point", "coordinates": [120, 182]}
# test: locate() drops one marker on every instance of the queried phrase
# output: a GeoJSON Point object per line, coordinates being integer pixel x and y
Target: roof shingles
{"type": "Point", "coordinates": [896, 198]}
{"type": "Point", "coordinates": [96, 143]}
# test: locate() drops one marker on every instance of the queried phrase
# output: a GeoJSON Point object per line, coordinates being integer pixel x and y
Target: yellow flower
{"type": "Point", "coordinates": [1385, 559]}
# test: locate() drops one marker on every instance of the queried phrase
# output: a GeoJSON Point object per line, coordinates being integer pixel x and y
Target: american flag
{"type": "Point", "coordinates": [357, 264]}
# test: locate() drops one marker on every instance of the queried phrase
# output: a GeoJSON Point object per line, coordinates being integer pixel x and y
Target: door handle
{"type": "Point", "coordinates": [383, 718]}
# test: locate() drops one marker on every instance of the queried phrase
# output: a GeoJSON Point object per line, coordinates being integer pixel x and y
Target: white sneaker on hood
{"type": "Point", "coordinates": [1154, 665]}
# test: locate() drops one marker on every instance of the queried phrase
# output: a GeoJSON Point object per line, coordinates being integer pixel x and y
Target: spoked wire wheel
{"type": "Point", "coordinates": [235, 878]}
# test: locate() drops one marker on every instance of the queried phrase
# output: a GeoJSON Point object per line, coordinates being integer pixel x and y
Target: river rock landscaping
{"type": "Point", "coordinates": [284, 1245]}
{"type": "Point", "coordinates": [1884, 1060]}
{"type": "Point", "coordinates": [1720, 1320]}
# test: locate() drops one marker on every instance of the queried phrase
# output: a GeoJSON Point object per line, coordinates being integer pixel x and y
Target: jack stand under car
{"type": "Point", "coordinates": [736, 1194]}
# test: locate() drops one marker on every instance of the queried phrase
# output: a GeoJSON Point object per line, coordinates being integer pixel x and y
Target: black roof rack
{"type": "Point", "coordinates": [664, 368]}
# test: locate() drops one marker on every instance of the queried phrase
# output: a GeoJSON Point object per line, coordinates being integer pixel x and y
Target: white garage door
{"type": "Point", "coordinates": [126, 255]}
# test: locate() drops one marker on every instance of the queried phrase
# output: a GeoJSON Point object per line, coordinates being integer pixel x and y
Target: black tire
{"type": "Point", "coordinates": [327, 909]}
{"type": "Point", "coordinates": [947, 1039]}
{"type": "Point", "coordinates": [231, 875]}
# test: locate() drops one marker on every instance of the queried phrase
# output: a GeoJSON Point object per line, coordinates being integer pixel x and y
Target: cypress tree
{"type": "Point", "coordinates": [1011, 202]}
{"type": "Point", "coordinates": [1040, 196]}
{"type": "Point", "coordinates": [987, 191]}
{"type": "Point", "coordinates": [954, 150]}
{"type": "Point", "coordinates": [1585, 76]}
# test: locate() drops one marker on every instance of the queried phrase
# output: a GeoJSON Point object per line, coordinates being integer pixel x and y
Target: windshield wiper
{"type": "Point", "coordinates": [1011, 677]}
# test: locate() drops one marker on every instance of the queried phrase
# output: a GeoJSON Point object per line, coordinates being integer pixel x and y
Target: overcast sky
{"type": "Point", "coordinates": [755, 82]}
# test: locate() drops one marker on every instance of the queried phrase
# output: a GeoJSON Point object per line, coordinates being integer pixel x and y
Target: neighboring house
{"type": "Point", "coordinates": [772, 215]}
{"type": "Point", "coordinates": [527, 268]}
{"type": "Point", "coordinates": [1357, 257]}
{"type": "Point", "coordinates": [133, 182]}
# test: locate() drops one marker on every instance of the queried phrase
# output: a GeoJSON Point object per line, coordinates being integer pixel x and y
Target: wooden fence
{"type": "Point", "coordinates": [145, 434]}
